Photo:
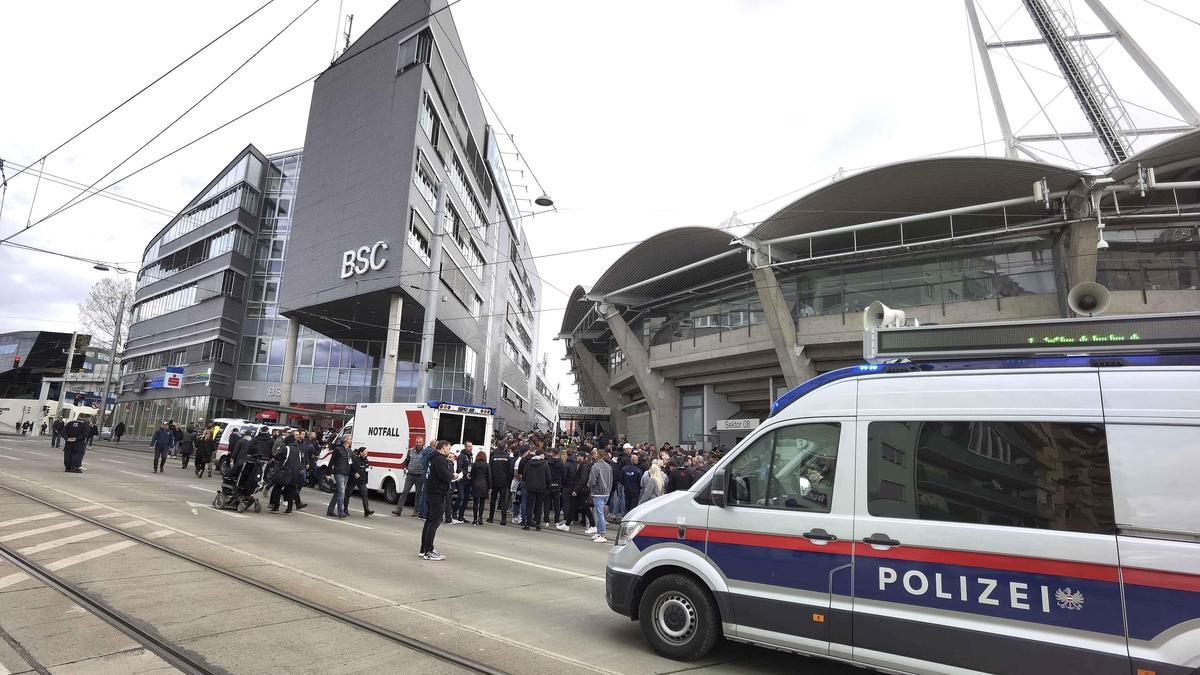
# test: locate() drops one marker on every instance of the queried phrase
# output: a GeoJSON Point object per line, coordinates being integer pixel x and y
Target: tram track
{"type": "Point", "coordinates": [182, 659]}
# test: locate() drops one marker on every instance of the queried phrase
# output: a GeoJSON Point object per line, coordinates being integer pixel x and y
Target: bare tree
{"type": "Point", "coordinates": [101, 314]}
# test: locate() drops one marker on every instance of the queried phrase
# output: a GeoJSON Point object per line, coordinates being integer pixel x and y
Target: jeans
{"type": "Point", "coordinates": [433, 518]}
{"type": "Point", "coordinates": [464, 496]}
{"type": "Point", "coordinates": [618, 497]}
{"type": "Point", "coordinates": [55, 439]}
{"type": "Point", "coordinates": [523, 509]}
{"type": "Point", "coordinates": [160, 457]}
{"type": "Point", "coordinates": [600, 524]}
{"type": "Point", "coordinates": [411, 481]}
{"type": "Point", "coordinates": [337, 503]}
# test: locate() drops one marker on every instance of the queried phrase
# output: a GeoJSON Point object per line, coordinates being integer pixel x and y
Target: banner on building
{"type": "Point", "coordinates": [173, 378]}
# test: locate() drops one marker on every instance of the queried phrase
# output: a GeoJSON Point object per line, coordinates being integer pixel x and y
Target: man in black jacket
{"type": "Point", "coordinates": [437, 486]}
{"type": "Point", "coordinates": [263, 443]}
{"type": "Point", "coordinates": [57, 430]}
{"type": "Point", "coordinates": [287, 474]}
{"type": "Point", "coordinates": [537, 483]}
{"type": "Point", "coordinates": [75, 433]}
{"type": "Point", "coordinates": [501, 465]}
{"type": "Point", "coordinates": [359, 465]}
{"type": "Point", "coordinates": [339, 472]}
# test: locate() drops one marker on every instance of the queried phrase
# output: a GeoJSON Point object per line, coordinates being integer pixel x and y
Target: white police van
{"type": "Point", "coordinates": [1002, 498]}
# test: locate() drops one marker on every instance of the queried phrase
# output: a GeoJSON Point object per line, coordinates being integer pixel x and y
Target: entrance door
{"type": "Point", "coordinates": [785, 531]}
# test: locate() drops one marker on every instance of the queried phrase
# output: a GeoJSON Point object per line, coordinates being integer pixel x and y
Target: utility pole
{"type": "Point", "coordinates": [112, 358]}
{"type": "Point", "coordinates": [62, 389]}
{"type": "Point", "coordinates": [432, 294]}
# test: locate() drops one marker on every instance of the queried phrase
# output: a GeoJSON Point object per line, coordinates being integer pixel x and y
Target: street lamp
{"type": "Point", "coordinates": [544, 200]}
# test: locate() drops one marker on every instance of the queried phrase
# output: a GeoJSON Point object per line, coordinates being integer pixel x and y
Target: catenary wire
{"type": "Point", "coordinates": [1171, 11]}
{"type": "Point", "coordinates": [143, 89]}
{"type": "Point", "coordinates": [164, 130]}
{"type": "Point", "coordinates": [67, 182]}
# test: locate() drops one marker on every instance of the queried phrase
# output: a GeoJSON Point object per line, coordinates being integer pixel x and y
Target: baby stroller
{"type": "Point", "coordinates": [240, 486]}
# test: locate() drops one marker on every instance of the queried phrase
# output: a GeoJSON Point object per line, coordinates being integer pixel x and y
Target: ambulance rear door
{"type": "Point", "coordinates": [984, 532]}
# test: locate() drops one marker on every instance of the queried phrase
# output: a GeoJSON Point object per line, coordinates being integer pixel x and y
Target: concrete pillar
{"type": "Point", "coordinates": [595, 379]}
{"type": "Point", "coordinates": [289, 361]}
{"type": "Point", "coordinates": [43, 396]}
{"type": "Point", "coordinates": [797, 367]}
{"type": "Point", "coordinates": [387, 381]}
{"type": "Point", "coordinates": [1081, 253]}
{"type": "Point", "coordinates": [661, 394]}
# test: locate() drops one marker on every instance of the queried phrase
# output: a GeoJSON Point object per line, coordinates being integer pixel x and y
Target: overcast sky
{"type": "Point", "coordinates": [636, 116]}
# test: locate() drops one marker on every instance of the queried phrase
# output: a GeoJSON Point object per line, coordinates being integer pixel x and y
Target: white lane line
{"type": "Point", "coordinates": [593, 577]}
{"type": "Point", "coordinates": [157, 534]}
{"type": "Point", "coordinates": [131, 523]}
{"type": "Point", "coordinates": [3, 670]}
{"type": "Point", "coordinates": [41, 454]}
{"type": "Point", "coordinates": [335, 520]}
{"type": "Point", "coordinates": [19, 459]}
{"type": "Point", "coordinates": [93, 507]}
{"type": "Point", "coordinates": [14, 578]}
{"type": "Point", "coordinates": [40, 530]}
{"type": "Point", "coordinates": [27, 519]}
{"type": "Point", "coordinates": [450, 623]}
{"type": "Point", "coordinates": [139, 475]}
{"type": "Point", "coordinates": [202, 489]}
{"type": "Point", "coordinates": [89, 555]}
{"type": "Point", "coordinates": [106, 516]}
{"type": "Point", "coordinates": [209, 507]}
{"type": "Point", "coordinates": [82, 536]}
{"type": "Point", "coordinates": [114, 461]}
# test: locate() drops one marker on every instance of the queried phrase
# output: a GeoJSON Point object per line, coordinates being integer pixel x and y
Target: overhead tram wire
{"type": "Point", "coordinates": [117, 197]}
{"type": "Point", "coordinates": [141, 91]}
{"type": "Point", "coordinates": [164, 130]}
{"type": "Point", "coordinates": [1171, 11]}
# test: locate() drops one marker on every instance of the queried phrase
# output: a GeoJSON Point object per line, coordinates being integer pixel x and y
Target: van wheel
{"type": "Point", "coordinates": [679, 618]}
{"type": "Point", "coordinates": [390, 493]}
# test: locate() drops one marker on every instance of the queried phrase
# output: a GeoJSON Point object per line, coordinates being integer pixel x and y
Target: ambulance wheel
{"type": "Point", "coordinates": [390, 493]}
{"type": "Point", "coordinates": [679, 618]}
{"type": "Point", "coordinates": [257, 506]}
{"type": "Point", "coordinates": [241, 507]}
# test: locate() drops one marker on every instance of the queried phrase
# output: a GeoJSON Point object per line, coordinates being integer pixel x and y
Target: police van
{"type": "Point", "coordinates": [389, 430]}
{"type": "Point", "coordinates": [1000, 498]}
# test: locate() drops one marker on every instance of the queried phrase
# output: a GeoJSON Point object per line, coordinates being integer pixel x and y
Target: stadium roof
{"type": "Point", "coordinates": [577, 308]}
{"type": "Point", "coordinates": [1180, 152]}
{"type": "Point", "coordinates": [665, 252]}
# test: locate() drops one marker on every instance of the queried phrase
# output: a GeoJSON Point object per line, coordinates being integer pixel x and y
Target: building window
{"type": "Point", "coordinates": [510, 395]}
{"type": "Point", "coordinates": [418, 241]}
{"type": "Point", "coordinates": [691, 415]}
{"type": "Point", "coordinates": [424, 181]}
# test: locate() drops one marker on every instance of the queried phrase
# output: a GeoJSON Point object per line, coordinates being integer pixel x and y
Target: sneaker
{"type": "Point", "coordinates": [599, 539]}
{"type": "Point", "coordinates": [590, 530]}
{"type": "Point", "coordinates": [563, 527]}
{"type": "Point", "coordinates": [517, 520]}
{"type": "Point", "coordinates": [436, 553]}
{"type": "Point", "coordinates": [526, 528]}
{"type": "Point", "coordinates": [423, 556]}
{"type": "Point", "coordinates": [397, 512]}
{"type": "Point", "coordinates": [435, 556]}
{"type": "Point", "coordinates": [456, 521]}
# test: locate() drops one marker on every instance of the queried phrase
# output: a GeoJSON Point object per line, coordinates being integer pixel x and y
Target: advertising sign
{"type": "Point", "coordinates": [173, 379]}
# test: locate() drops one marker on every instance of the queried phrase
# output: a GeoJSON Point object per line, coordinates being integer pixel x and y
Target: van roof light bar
{"type": "Point", "coordinates": [1149, 333]}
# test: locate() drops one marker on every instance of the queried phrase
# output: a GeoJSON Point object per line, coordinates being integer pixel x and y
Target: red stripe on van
{"type": "Point", "coordinates": [393, 455]}
{"type": "Point", "coordinates": [1161, 579]}
{"type": "Point", "coordinates": [1013, 563]}
{"type": "Point", "coordinates": [416, 425]}
{"type": "Point", "coordinates": [387, 465]}
{"type": "Point", "coordinates": [777, 541]}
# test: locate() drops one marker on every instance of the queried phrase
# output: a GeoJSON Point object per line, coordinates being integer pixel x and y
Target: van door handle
{"type": "Point", "coordinates": [819, 535]}
{"type": "Point", "coordinates": [878, 539]}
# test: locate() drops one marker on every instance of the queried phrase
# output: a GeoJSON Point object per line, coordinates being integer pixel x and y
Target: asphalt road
{"type": "Point", "coordinates": [521, 602]}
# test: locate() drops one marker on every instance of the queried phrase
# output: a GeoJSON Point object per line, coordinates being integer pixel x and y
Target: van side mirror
{"type": "Point", "coordinates": [717, 487]}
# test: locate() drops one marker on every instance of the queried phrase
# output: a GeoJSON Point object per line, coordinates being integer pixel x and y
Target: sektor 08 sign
{"type": "Point", "coordinates": [359, 261]}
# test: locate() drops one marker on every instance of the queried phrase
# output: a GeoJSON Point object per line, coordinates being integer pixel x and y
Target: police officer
{"type": "Point", "coordinates": [75, 434]}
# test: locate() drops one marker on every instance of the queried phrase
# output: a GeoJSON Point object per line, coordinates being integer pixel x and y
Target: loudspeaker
{"type": "Point", "coordinates": [1089, 299]}
{"type": "Point", "coordinates": [879, 315]}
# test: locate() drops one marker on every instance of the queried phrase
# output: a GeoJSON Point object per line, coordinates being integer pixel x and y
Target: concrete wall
{"type": "Point", "coordinates": [638, 428]}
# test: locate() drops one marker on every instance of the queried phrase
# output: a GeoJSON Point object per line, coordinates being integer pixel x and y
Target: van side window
{"type": "Point", "coordinates": [788, 468]}
{"type": "Point", "coordinates": [1044, 475]}
{"type": "Point", "coordinates": [1155, 490]}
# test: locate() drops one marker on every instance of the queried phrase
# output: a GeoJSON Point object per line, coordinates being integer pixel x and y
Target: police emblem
{"type": "Point", "coordinates": [1068, 599]}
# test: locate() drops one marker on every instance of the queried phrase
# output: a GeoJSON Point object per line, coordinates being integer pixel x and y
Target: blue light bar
{"type": "Point", "coordinates": [1098, 361]}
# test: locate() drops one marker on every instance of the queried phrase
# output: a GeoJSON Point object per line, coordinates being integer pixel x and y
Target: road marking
{"type": "Point", "coordinates": [40, 530]}
{"type": "Point", "coordinates": [202, 489]}
{"type": "Point", "coordinates": [131, 523]}
{"type": "Point", "coordinates": [334, 520]}
{"type": "Point", "coordinates": [158, 534]}
{"type": "Point", "coordinates": [89, 555]}
{"type": "Point", "coordinates": [82, 536]}
{"type": "Point", "coordinates": [93, 507]}
{"type": "Point", "coordinates": [27, 519]}
{"type": "Point", "coordinates": [139, 475]}
{"type": "Point", "coordinates": [209, 507]}
{"type": "Point", "coordinates": [543, 567]}
{"type": "Point", "coordinates": [106, 516]}
{"type": "Point", "coordinates": [114, 461]}
{"type": "Point", "coordinates": [11, 457]}
{"type": "Point", "coordinates": [15, 578]}
{"type": "Point", "coordinates": [41, 454]}
{"type": "Point", "coordinates": [453, 623]}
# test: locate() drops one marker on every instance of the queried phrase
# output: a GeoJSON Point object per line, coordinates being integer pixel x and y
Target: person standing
{"type": "Point", "coordinates": [437, 487]}
{"type": "Point", "coordinates": [680, 477]}
{"type": "Point", "coordinates": [553, 515]}
{"type": "Point", "coordinates": [481, 483]}
{"type": "Point", "coordinates": [75, 435]}
{"type": "Point", "coordinates": [570, 477]}
{"type": "Point", "coordinates": [630, 478]}
{"type": "Point", "coordinates": [414, 478]}
{"type": "Point", "coordinates": [161, 440]}
{"type": "Point", "coordinates": [204, 448]}
{"type": "Point", "coordinates": [359, 465]}
{"type": "Point", "coordinates": [308, 447]}
{"type": "Point", "coordinates": [339, 473]}
{"type": "Point", "coordinates": [57, 429]}
{"type": "Point", "coordinates": [187, 443]}
{"type": "Point", "coordinates": [93, 432]}
{"type": "Point", "coordinates": [600, 485]}
{"type": "Point", "coordinates": [287, 475]}
{"type": "Point", "coordinates": [118, 431]}
{"type": "Point", "coordinates": [536, 472]}
{"type": "Point", "coordinates": [501, 474]}
{"type": "Point", "coordinates": [462, 467]}
{"type": "Point", "coordinates": [653, 482]}
{"type": "Point", "coordinates": [42, 431]}
{"type": "Point", "coordinates": [583, 496]}
{"type": "Point", "coordinates": [176, 435]}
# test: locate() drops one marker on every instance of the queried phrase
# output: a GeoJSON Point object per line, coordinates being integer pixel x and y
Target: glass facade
{"type": "Point", "coordinates": [227, 283]}
{"type": "Point", "coordinates": [1154, 258]}
{"type": "Point", "coordinates": [234, 238]}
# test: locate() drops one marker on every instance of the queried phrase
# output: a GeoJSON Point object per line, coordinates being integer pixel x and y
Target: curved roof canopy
{"type": "Point", "coordinates": [1180, 152]}
{"type": "Point", "coordinates": [665, 252]}
{"type": "Point", "coordinates": [910, 188]}
{"type": "Point", "coordinates": [577, 308]}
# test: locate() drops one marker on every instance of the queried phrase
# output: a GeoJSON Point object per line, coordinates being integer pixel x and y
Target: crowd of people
{"type": "Point", "coordinates": [529, 479]}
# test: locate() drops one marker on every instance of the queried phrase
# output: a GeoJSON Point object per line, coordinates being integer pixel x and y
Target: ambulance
{"type": "Point", "coordinates": [390, 430]}
{"type": "Point", "coordinates": [992, 498]}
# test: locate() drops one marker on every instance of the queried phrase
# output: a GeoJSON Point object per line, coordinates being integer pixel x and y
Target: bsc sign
{"type": "Point", "coordinates": [358, 261]}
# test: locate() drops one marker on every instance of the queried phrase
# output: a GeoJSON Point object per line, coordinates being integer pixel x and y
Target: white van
{"type": "Point", "coordinates": [390, 430]}
{"type": "Point", "coordinates": [228, 426]}
{"type": "Point", "coordinates": [1021, 514]}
